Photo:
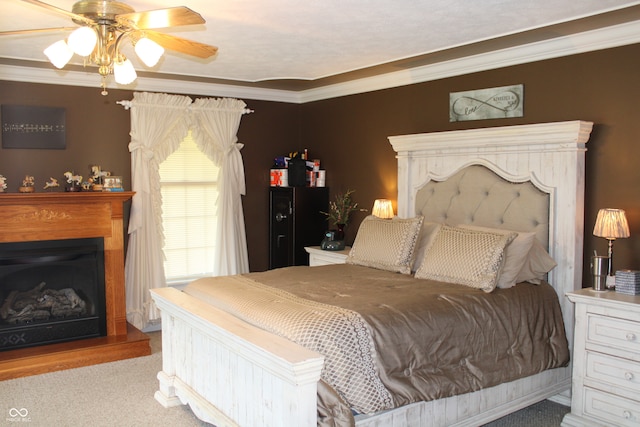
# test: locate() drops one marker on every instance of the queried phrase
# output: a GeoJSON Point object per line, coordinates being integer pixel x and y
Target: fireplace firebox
{"type": "Point", "coordinates": [51, 291]}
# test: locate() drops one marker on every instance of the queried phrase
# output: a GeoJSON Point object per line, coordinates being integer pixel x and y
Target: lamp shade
{"type": "Point", "coordinates": [59, 53]}
{"type": "Point", "coordinates": [148, 51]}
{"type": "Point", "coordinates": [382, 208]}
{"type": "Point", "coordinates": [124, 72]}
{"type": "Point", "coordinates": [83, 40]}
{"type": "Point", "coordinates": [611, 224]}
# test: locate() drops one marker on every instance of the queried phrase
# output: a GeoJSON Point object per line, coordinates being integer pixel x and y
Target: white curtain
{"type": "Point", "coordinates": [159, 122]}
{"type": "Point", "coordinates": [215, 133]}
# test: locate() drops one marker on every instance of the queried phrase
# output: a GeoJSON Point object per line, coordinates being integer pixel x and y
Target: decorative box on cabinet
{"type": "Point", "coordinates": [295, 222]}
{"type": "Point", "coordinates": [606, 360]}
{"type": "Point", "coordinates": [318, 256]}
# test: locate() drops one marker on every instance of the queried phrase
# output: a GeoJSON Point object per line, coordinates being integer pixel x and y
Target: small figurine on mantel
{"type": "Point", "coordinates": [97, 177]}
{"type": "Point", "coordinates": [51, 184]}
{"type": "Point", "coordinates": [74, 181]}
{"type": "Point", "coordinates": [3, 184]}
{"type": "Point", "coordinates": [27, 184]}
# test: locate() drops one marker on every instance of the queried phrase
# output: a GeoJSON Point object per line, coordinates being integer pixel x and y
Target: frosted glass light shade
{"type": "Point", "coordinates": [382, 208]}
{"type": "Point", "coordinates": [148, 51]}
{"type": "Point", "coordinates": [83, 40]}
{"type": "Point", "coordinates": [59, 53]}
{"type": "Point", "coordinates": [124, 72]}
{"type": "Point", "coordinates": [611, 224]}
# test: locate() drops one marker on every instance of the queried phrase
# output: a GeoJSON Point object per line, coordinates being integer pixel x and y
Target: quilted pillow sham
{"type": "Point", "coordinates": [386, 244]}
{"type": "Point", "coordinates": [515, 253]}
{"type": "Point", "coordinates": [467, 257]}
{"type": "Point", "coordinates": [425, 237]}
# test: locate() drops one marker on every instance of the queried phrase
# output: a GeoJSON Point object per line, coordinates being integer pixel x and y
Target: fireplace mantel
{"type": "Point", "coordinates": [53, 216]}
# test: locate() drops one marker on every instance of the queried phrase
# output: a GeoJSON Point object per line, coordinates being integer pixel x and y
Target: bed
{"type": "Point", "coordinates": [232, 372]}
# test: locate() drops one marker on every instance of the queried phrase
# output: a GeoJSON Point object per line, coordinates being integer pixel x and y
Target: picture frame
{"type": "Point", "coordinates": [112, 183]}
{"type": "Point", "coordinates": [33, 127]}
{"type": "Point", "coordinates": [492, 103]}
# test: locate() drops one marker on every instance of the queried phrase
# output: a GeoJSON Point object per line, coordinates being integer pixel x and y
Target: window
{"type": "Point", "coordinates": [188, 184]}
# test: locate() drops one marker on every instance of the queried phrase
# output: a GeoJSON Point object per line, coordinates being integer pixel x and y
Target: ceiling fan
{"type": "Point", "coordinates": [105, 24]}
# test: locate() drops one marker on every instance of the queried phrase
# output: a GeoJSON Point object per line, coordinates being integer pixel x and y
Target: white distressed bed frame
{"type": "Point", "coordinates": [233, 374]}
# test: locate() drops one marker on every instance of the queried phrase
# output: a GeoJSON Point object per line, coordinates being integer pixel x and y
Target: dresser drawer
{"type": "Point", "coordinates": [613, 333]}
{"type": "Point", "coordinates": [622, 374]}
{"type": "Point", "coordinates": [612, 410]}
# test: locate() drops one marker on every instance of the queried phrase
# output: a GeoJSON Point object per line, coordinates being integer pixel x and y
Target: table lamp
{"type": "Point", "coordinates": [611, 224]}
{"type": "Point", "coordinates": [382, 208]}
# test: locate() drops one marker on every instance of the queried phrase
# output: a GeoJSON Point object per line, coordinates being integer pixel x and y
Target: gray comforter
{"type": "Point", "coordinates": [433, 339]}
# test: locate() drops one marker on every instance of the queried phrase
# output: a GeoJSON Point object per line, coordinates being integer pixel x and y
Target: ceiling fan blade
{"type": "Point", "coordinates": [161, 18]}
{"type": "Point", "coordinates": [179, 44]}
{"type": "Point", "coordinates": [37, 30]}
{"type": "Point", "coordinates": [77, 18]}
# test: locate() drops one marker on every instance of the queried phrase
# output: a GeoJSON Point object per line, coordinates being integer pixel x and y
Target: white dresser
{"type": "Point", "coordinates": [606, 360]}
{"type": "Point", "coordinates": [318, 256]}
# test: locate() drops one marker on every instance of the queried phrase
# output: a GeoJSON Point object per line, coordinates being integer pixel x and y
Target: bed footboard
{"type": "Point", "coordinates": [229, 372]}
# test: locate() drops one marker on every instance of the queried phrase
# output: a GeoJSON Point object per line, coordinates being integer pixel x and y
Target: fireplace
{"type": "Point", "coordinates": [51, 291]}
{"type": "Point", "coordinates": [64, 240]}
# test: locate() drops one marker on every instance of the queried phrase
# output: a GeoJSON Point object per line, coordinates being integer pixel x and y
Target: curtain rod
{"type": "Point", "coordinates": [127, 104]}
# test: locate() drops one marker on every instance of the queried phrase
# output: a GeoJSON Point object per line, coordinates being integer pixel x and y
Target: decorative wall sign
{"type": "Point", "coordinates": [494, 103]}
{"type": "Point", "coordinates": [27, 126]}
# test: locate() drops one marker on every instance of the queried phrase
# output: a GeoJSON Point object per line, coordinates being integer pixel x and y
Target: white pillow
{"type": "Point", "coordinates": [537, 264]}
{"type": "Point", "coordinates": [515, 253]}
{"type": "Point", "coordinates": [467, 257]}
{"type": "Point", "coordinates": [386, 244]}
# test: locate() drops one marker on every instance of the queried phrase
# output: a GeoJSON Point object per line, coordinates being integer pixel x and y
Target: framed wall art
{"type": "Point", "coordinates": [494, 103]}
{"type": "Point", "coordinates": [28, 126]}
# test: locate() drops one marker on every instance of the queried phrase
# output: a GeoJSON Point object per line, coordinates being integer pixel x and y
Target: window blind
{"type": "Point", "coordinates": [188, 182]}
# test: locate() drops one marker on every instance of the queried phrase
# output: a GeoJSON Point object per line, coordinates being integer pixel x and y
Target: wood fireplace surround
{"type": "Point", "coordinates": [54, 216]}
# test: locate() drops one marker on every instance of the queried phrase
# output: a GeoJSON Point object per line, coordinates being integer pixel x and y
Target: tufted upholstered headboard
{"type": "Point", "coordinates": [476, 195]}
{"type": "Point", "coordinates": [548, 155]}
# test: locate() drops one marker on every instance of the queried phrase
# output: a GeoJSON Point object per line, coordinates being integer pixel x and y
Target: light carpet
{"type": "Point", "coordinates": [110, 394]}
{"type": "Point", "coordinates": [121, 394]}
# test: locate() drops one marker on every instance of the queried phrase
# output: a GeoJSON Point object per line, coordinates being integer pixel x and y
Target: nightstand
{"type": "Point", "coordinates": [606, 360]}
{"type": "Point", "coordinates": [319, 257]}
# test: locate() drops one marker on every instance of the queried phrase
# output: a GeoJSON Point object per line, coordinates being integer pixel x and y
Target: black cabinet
{"type": "Point", "coordinates": [295, 222]}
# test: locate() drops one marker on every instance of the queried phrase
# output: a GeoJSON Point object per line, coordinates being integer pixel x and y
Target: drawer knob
{"type": "Point", "coordinates": [631, 336]}
{"type": "Point", "coordinates": [628, 375]}
{"type": "Point", "coordinates": [627, 415]}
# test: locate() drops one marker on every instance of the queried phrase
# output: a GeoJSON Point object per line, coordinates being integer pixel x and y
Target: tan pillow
{"type": "Point", "coordinates": [515, 253]}
{"type": "Point", "coordinates": [385, 244]}
{"type": "Point", "coordinates": [467, 257]}
{"type": "Point", "coordinates": [427, 232]}
{"type": "Point", "coordinates": [537, 264]}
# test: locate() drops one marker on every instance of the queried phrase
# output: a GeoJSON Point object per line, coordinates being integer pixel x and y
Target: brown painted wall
{"type": "Point", "coordinates": [349, 135]}
{"type": "Point", "coordinates": [98, 133]}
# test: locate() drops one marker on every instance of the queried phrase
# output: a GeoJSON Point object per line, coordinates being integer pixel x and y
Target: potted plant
{"type": "Point", "coordinates": [340, 210]}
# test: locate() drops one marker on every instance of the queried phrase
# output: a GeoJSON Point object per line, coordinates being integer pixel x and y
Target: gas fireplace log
{"type": "Point", "coordinates": [41, 304]}
{"type": "Point", "coordinates": [8, 303]}
{"type": "Point", "coordinates": [28, 314]}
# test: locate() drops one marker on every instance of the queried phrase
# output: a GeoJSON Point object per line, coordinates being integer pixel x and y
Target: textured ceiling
{"type": "Point", "coordinates": [268, 40]}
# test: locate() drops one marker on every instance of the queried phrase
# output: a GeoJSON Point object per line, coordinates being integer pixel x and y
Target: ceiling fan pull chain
{"type": "Point", "coordinates": [103, 84]}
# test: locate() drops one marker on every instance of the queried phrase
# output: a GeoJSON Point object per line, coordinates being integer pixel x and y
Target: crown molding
{"type": "Point", "coordinates": [604, 38]}
{"type": "Point", "coordinates": [142, 84]}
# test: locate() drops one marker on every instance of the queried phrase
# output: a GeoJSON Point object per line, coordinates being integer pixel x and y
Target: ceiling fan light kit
{"type": "Point", "coordinates": [104, 24]}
